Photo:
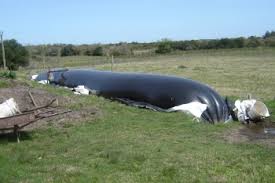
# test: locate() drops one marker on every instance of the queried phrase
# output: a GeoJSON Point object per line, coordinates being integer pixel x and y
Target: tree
{"type": "Point", "coordinates": [225, 43]}
{"type": "Point", "coordinates": [52, 51]}
{"type": "Point", "coordinates": [69, 50]}
{"type": "Point", "coordinates": [239, 42]}
{"type": "Point", "coordinates": [212, 44]}
{"type": "Point", "coordinates": [253, 42]}
{"type": "Point", "coordinates": [270, 41]}
{"type": "Point", "coordinates": [16, 55]}
{"type": "Point", "coordinates": [98, 51]}
{"type": "Point", "coordinates": [164, 47]}
{"type": "Point", "coordinates": [88, 52]}
{"type": "Point", "coordinates": [120, 50]}
{"type": "Point", "coordinates": [269, 34]}
{"type": "Point", "coordinates": [266, 35]}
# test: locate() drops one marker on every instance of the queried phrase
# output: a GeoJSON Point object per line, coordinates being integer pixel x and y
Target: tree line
{"type": "Point", "coordinates": [267, 40]}
{"type": "Point", "coordinates": [160, 47]}
{"type": "Point", "coordinates": [18, 55]}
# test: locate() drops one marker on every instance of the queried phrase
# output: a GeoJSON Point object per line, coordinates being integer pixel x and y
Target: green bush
{"type": "Point", "coordinates": [69, 50]}
{"type": "Point", "coordinates": [8, 74]}
{"type": "Point", "coordinates": [16, 55]}
{"type": "Point", "coordinates": [270, 41]}
{"type": "Point", "coordinates": [52, 51]}
{"type": "Point", "coordinates": [88, 52]}
{"type": "Point", "coordinates": [269, 34]}
{"type": "Point", "coordinates": [120, 50]}
{"type": "Point", "coordinates": [253, 42]}
{"type": "Point", "coordinates": [164, 47]}
{"type": "Point", "coordinates": [98, 51]}
{"type": "Point", "coordinates": [4, 84]}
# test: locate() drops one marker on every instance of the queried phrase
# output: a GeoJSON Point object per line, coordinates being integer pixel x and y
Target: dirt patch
{"type": "Point", "coordinates": [20, 93]}
{"type": "Point", "coordinates": [85, 114]}
{"type": "Point", "coordinates": [22, 98]}
{"type": "Point", "coordinates": [259, 133]}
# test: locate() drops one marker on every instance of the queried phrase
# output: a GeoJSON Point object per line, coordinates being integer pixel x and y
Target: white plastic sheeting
{"type": "Point", "coordinates": [247, 110]}
{"type": "Point", "coordinates": [44, 82]}
{"type": "Point", "coordinates": [194, 108]}
{"type": "Point", "coordinates": [8, 108]}
{"type": "Point", "coordinates": [34, 76]}
{"type": "Point", "coordinates": [81, 90]}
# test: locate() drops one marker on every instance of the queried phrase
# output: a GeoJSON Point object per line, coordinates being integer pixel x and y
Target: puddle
{"type": "Point", "coordinates": [270, 131]}
{"type": "Point", "coordinates": [261, 132]}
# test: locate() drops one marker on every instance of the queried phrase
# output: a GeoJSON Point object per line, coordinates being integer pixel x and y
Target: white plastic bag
{"type": "Point", "coordinates": [8, 108]}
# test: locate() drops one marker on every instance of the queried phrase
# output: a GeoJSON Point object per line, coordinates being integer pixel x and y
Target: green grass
{"type": "Point", "coordinates": [134, 145]}
{"type": "Point", "coordinates": [127, 144]}
{"type": "Point", "coordinates": [3, 84]}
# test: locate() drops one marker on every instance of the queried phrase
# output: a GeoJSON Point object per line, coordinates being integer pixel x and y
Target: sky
{"type": "Point", "coordinates": [112, 21]}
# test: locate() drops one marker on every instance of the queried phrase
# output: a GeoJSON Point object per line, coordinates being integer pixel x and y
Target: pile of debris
{"type": "Point", "coordinates": [13, 118]}
{"type": "Point", "coordinates": [22, 107]}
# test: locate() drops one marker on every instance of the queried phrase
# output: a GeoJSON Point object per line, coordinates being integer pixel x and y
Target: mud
{"type": "Point", "coordinates": [260, 133]}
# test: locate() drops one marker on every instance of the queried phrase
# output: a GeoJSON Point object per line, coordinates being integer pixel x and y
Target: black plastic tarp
{"type": "Point", "coordinates": [156, 91]}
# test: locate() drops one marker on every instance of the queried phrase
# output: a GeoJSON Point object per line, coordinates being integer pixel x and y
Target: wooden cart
{"type": "Point", "coordinates": [19, 121]}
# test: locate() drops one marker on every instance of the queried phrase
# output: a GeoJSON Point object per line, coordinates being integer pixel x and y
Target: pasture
{"type": "Point", "coordinates": [127, 144]}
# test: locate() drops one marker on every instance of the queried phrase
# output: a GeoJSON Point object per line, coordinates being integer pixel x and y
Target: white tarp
{"type": "Point", "coordinates": [194, 108]}
{"type": "Point", "coordinates": [8, 108]}
{"type": "Point", "coordinates": [44, 82]}
{"type": "Point", "coordinates": [34, 76]}
{"type": "Point", "coordinates": [81, 90]}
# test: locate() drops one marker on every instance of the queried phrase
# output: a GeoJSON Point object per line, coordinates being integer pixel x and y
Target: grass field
{"type": "Point", "coordinates": [127, 144]}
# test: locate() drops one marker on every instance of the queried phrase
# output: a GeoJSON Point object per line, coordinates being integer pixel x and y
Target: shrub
{"type": "Point", "coordinates": [120, 50]}
{"type": "Point", "coordinates": [270, 41]}
{"type": "Point", "coordinates": [269, 34]}
{"type": "Point", "coordinates": [16, 55]}
{"type": "Point", "coordinates": [98, 51]}
{"type": "Point", "coordinates": [8, 74]}
{"type": "Point", "coordinates": [253, 42]}
{"type": "Point", "coordinates": [88, 52]}
{"type": "Point", "coordinates": [52, 51]}
{"type": "Point", "coordinates": [69, 50]}
{"type": "Point", "coordinates": [164, 47]}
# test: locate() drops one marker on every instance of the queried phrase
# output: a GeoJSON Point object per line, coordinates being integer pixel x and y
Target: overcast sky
{"type": "Point", "coordinates": [109, 21]}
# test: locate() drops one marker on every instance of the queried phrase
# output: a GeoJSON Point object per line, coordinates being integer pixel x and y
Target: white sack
{"type": "Point", "coordinates": [8, 108]}
{"type": "Point", "coordinates": [244, 107]}
{"type": "Point", "coordinates": [194, 108]}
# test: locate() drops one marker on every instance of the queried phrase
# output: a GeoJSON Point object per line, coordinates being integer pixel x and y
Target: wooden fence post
{"type": "Point", "coordinates": [3, 51]}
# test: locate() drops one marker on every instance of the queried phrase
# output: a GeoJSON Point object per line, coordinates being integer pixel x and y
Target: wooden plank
{"type": "Point", "coordinates": [33, 101]}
